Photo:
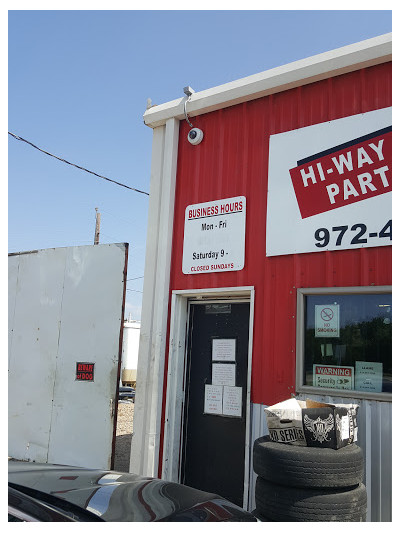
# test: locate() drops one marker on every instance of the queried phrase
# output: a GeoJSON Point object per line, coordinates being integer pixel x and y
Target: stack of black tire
{"type": "Point", "coordinates": [303, 484]}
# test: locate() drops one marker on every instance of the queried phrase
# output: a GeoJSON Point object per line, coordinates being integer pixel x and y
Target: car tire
{"type": "Point", "coordinates": [302, 466]}
{"type": "Point", "coordinates": [295, 504]}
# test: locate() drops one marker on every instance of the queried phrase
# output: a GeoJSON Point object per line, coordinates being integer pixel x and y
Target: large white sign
{"type": "Point", "coordinates": [329, 186]}
{"type": "Point", "coordinates": [214, 236]}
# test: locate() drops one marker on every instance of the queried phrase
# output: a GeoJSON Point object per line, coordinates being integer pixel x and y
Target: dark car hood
{"type": "Point", "coordinates": [120, 497]}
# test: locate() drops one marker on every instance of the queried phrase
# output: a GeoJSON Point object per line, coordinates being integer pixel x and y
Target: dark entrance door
{"type": "Point", "coordinates": [214, 434]}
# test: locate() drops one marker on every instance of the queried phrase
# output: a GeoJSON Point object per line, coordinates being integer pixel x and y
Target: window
{"type": "Point", "coordinates": [345, 340]}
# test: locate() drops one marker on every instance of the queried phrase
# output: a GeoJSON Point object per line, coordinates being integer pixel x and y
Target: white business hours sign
{"type": "Point", "coordinates": [329, 185]}
{"type": "Point", "coordinates": [214, 238]}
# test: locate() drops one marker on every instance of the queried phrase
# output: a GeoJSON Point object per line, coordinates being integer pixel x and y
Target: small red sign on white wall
{"type": "Point", "coordinates": [329, 186]}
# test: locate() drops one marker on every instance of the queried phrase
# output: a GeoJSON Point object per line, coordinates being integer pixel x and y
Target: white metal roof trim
{"type": "Point", "coordinates": [335, 62]}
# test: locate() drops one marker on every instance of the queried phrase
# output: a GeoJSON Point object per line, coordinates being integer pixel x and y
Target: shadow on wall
{"type": "Point", "coordinates": [122, 452]}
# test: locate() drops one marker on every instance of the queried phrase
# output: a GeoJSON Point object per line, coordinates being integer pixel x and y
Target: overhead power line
{"type": "Point", "coordinates": [77, 166]}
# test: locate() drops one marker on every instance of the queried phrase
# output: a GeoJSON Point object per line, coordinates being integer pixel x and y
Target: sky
{"type": "Point", "coordinates": [78, 84]}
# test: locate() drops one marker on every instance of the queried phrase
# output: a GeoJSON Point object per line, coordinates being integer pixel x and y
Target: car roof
{"type": "Point", "coordinates": [119, 496]}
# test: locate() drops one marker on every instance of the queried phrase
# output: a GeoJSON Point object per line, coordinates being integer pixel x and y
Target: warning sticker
{"type": "Point", "coordinates": [84, 371]}
{"type": "Point", "coordinates": [327, 322]}
{"type": "Point", "coordinates": [333, 377]}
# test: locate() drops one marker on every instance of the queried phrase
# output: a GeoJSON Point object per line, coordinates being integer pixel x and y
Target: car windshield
{"type": "Point", "coordinates": [67, 511]}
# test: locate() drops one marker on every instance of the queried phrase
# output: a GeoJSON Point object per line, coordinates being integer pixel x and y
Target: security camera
{"type": "Point", "coordinates": [195, 136]}
{"type": "Point", "coordinates": [188, 91]}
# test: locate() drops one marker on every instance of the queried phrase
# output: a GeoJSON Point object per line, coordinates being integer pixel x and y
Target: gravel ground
{"type": "Point", "coordinates": [124, 436]}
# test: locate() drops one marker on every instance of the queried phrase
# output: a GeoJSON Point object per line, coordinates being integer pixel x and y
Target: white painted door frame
{"type": "Point", "coordinates": [176, 373]}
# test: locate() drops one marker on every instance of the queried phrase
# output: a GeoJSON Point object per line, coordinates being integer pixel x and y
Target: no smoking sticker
{"type": "Point", "coordinates": [327, 321]}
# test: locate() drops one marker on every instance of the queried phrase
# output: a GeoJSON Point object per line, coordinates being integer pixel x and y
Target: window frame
{"type": "Point", "coordinates": [300, 339]}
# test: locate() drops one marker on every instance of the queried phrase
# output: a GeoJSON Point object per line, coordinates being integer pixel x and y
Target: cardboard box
{"type": "Point", "coordinates": [310, 423]}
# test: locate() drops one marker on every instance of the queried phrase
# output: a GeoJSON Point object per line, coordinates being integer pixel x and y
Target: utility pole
{"type": "Point", "coordinates": [97, 231]}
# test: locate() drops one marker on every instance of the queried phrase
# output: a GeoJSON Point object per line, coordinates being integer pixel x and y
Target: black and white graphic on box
{"type": "Point", "coordinates": [320, 428]}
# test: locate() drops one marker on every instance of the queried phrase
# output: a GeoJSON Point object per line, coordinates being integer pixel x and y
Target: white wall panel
{"type": "Point", "coordinates": [66, 306]}
{"type": "Point", "coordinates": [34, 332]}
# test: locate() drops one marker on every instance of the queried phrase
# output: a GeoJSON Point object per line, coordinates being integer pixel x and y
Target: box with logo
{"type": "Point", "coordinates": [311, 423]}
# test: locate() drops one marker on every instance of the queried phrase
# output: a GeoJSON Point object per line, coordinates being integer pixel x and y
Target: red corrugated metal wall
{"type": "Point", "coordinates": [232, 160]}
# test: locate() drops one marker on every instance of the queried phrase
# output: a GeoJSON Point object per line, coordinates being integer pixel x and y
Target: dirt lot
{"type": "Point", "coordinates": [124, 436]}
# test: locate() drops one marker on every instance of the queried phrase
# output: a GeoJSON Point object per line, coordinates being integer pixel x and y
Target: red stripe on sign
{"type": "Point", "coordinates": [352, 174]}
